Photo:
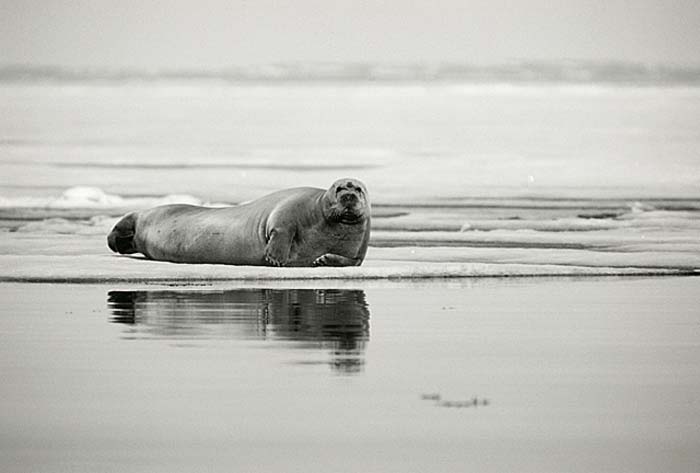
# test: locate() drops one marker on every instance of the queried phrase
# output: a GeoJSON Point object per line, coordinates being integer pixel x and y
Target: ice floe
{"type": "Point", "coordinates": [63, 238]}
{"type": "Point", "coordinates": [91, 268]}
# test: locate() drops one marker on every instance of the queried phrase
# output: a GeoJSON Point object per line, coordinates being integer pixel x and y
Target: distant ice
{"type": "Point", "coordinates": [98, 225]}
{"type": "Point", "coordinates": [95, 198]}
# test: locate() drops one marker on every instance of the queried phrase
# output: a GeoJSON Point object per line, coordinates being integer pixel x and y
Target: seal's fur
{"type": "Point", "coordinates": [302, 226]}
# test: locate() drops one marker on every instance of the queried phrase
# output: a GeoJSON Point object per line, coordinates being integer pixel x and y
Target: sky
{"type": "Point", "coordinates": [222, 33]}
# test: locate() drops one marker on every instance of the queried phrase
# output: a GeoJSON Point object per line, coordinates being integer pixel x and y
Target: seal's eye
{"type": "Point", "coordinates": [338, 189]}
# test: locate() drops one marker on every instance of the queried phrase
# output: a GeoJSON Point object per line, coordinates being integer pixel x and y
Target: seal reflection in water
{"type": "Point", "coordinates": [303, 226]}
{"type": "Point", "coordinates": [329, 319]}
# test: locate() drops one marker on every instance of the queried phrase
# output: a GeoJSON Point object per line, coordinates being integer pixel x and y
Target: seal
{"type": "Point", "coordinates": [303, 226]}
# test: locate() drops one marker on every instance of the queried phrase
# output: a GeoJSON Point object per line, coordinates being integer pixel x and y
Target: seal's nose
{"type": "Point", "coordinates": [348, 198]}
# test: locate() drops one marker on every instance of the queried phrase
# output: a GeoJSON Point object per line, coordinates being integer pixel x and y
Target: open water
{"type": "Point", "coordinates": [538, 375]}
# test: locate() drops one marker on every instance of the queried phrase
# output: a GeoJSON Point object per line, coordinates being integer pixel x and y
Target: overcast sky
{"type": "Point", "coordinates": [220, 33]}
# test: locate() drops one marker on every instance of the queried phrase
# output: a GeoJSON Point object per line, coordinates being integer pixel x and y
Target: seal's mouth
{"type": "Point", "coordinates": [350, 216]}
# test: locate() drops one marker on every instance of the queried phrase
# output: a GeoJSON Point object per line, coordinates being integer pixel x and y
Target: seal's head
{"type": "Point", "coordinates": [346, 201]}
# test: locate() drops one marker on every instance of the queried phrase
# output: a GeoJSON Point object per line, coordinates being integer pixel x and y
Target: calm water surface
{"type": "Point", "coordinates": [484, 375]}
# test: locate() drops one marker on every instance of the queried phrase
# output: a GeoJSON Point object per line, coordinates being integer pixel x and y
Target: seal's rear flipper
{"type": "Point", "coordinates": [121, 238]}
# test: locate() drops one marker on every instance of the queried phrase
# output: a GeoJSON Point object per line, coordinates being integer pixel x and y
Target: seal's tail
{"type": "Point", "coordinates": [121, 238]}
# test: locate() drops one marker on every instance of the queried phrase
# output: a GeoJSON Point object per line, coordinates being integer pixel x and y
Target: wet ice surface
{"type": "Point", "coordinates": [568, 375]}
{"type": "Point", "coordinates": [64, 239]}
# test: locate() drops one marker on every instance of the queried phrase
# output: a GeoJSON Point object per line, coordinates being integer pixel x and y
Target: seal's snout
{"type": "Point", "coordinates": [348, 198]}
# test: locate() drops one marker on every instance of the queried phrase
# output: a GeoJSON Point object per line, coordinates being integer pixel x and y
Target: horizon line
{"type": "Point", "coordinates": [563, 70]}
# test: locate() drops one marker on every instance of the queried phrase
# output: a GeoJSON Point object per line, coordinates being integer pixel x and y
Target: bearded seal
{"type": "Point", "coordinates": [303, 226]}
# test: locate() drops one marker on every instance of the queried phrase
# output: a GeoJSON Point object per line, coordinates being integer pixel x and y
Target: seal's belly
{"type": "Point", "coordinates": [188, 234]}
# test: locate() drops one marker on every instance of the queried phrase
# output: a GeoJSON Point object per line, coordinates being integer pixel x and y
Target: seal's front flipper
{"type": "Point", "coordinates": [331, 259]}
{"type": "Point", "coordinates": [121, 238]}
{"type": "Point", "coordinates": [278, 246]}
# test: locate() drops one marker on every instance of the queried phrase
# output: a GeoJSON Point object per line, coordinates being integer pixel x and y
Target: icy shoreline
{"type": "Point", "coordinates": [108, 269]}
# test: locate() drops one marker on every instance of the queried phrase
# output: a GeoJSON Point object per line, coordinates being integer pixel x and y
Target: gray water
{"type": "Point", "coordinates": [483, 375]}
